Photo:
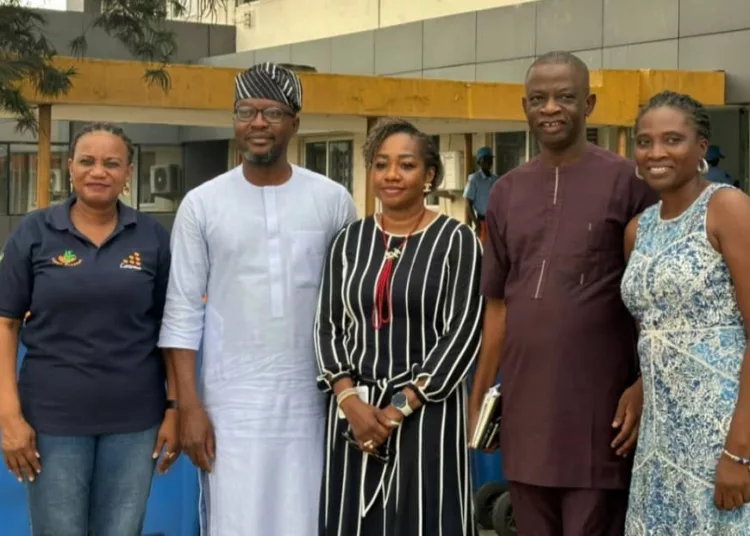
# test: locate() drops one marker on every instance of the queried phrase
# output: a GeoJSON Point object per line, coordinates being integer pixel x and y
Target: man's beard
{"type": "Point", "coordinates": [267, 159]}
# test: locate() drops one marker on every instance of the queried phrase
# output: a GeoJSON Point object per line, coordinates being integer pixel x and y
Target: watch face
{"type": "Point", "coordinates": [399, 400]}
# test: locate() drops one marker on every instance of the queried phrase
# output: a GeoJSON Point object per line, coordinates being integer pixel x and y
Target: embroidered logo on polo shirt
{"type": "Point", "coordinates": [131, 262]}
{"type": "Point", "coordinates": [68, 259]}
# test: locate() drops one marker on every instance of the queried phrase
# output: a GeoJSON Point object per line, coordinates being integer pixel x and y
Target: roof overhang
{"type": "Point", "coordinates": [203, 95]}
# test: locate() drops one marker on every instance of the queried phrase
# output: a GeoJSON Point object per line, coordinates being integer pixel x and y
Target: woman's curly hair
{"type": "Point", "coordinates": [387, 127]}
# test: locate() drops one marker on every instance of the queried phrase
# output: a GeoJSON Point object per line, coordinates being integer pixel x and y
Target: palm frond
{"type": "Point", "coordinates": [26, 55]}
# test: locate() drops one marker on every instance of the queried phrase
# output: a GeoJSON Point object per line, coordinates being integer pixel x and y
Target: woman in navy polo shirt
{"type": "Point", "coordinates": [91, 411]}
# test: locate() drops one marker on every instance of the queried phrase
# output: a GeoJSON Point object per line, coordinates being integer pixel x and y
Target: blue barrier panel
{"type": "Point", "coordinates": [172, 507]}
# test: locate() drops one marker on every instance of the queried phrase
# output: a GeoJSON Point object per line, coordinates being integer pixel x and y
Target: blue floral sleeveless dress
{"type": "Point", "coordinates": [691, 346]}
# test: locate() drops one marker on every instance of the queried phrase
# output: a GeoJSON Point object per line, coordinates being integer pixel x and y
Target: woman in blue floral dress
{"type": "Point", "coordinates": [688, 285]}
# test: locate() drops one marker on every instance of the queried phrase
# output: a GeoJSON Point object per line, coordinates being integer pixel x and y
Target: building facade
{"type": "Point", "coordinates": [469, 40]}
{"type": "Point", "coordinates": [167, 157]}
{"type": "Point", "coordinates": [496, 41]}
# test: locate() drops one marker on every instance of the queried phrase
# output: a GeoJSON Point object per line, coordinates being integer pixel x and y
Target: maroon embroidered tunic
{"type": "Point", "coordinates": [554, 253]}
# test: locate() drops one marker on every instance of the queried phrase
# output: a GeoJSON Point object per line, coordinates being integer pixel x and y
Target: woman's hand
{"type": "Point", "coordinates": [19, 448]}
{"type": "Point", "coordinates": [732, 488]}
{"type": "Point", "coordinates": [390, 417]}
{"type": "Point", "coordinates": [168, 441]}
{"type": "Point", "coordinates": [363, 419]}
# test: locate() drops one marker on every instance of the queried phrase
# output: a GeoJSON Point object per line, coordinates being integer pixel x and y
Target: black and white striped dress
{"type": "Point", "coordinates": [434, 334]}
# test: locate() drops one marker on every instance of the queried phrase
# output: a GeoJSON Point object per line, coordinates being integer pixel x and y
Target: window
{"type": "Point", "coordinates": [510, 151]}
{"type": "Point", "coordinates": [316, 157]}
{"type": "Point", "coordinates": [160, 185]}
{"type": "Point", "coordinates": [592, 135]}
{"type": "Point", "coordinates": [333, 159]}
{"type": "Point", "coordinates": [22, 187]}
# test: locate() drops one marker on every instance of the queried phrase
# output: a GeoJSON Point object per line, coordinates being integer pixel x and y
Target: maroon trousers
{"type": "Point", "coordinates": [541, 511]}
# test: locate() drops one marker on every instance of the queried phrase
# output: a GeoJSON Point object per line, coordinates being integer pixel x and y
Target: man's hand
{"type": "Point", "coordinates": [197, 436]}
{"type": "Point", "coordinates": [472, 425]}
{"type": "Point", "coordinates": [628, 419]}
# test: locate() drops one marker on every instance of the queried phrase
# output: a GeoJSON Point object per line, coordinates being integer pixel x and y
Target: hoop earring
{"type": "Point", "coordinates": [703, 166]}
{"type": "Point", "coordinates": [638, 173]}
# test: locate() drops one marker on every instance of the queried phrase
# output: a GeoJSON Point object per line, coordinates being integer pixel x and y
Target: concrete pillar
{"type": "Point", "coordinates": [44, 155]}
{"type": "Point", "coordinates": [622, 141]}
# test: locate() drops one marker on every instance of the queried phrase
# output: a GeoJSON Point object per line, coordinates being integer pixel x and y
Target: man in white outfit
{"type": "Point", "coordinates": [253, 242]}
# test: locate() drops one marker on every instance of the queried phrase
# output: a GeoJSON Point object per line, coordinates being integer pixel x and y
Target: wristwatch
{"type": "Point", "coordinates": [401, 402]}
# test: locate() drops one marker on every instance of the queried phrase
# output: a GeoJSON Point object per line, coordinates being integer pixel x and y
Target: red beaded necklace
{"type": "Point", "coordinates": [381, 312]}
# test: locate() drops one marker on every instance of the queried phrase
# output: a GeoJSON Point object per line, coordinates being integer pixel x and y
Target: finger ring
{"type": "Point", "coordinates": [369, 444]}
{"type": "Point", "coordinates": [394, 424]}
{"type": "Point", "coordinates": [170, 455]}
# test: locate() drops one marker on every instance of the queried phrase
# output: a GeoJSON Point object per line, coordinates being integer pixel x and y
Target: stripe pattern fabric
{"type": "Point", "coordinates": [269, 81]}
{"type": "Point", "coordinates": [425, 487]}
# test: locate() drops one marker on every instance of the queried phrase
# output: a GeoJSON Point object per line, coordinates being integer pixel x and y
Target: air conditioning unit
{"type": "Point", "coordinates": [453, 163]}
{"type": "Point", "coordinates": [165, 180]}
{"type": "Point", "coordinates": [56, 182]}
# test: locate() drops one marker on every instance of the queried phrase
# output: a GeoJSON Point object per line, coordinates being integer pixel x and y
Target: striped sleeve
{"type": "Point", "coordinates": [455, 350]}
{"type": "Point", "coordinates": [331, 319]}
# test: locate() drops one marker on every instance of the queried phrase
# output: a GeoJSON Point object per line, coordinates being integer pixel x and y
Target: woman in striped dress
{"type": "Point", "coordinates": [398, 327]}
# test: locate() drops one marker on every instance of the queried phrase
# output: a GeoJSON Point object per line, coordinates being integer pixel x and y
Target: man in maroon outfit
{"type": "Point", "coordinates": [555, 326]}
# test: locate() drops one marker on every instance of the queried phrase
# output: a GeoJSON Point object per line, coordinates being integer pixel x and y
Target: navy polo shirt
{"type": "Point", "coordinates": [92, 365]}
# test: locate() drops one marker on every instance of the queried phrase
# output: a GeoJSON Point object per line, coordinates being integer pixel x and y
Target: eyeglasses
{"type": "Point", "coordinates": [382, 454]}
{"type": "Point", "coordinates": [270, 115]}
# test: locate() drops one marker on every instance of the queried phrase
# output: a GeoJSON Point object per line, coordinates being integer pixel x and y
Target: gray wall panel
{"type": "Point", "coordinates": [699, 17]}
{"type": "Point", "coordinates": [398, 49]}
{"type": "Point", "coordinates": [592, 58]}
{"type": "Point", "coordinates": [656, 55]}
{"type": "Point", "coordinates": [638, 21]}
{"type": "Point", "coordinates": [506, 33]}
{"type": "Point", "coordinates": [195, 41]}
{"type": "Point", "coordinates": [726, 51]}
{"type": "Point", "coordinates": [353, 54]}
{"type": "Point", "coordinates": [241, 60]}
{"type": "Point", "coordinates": [449, 41]}
{"type": "Point", "coordinates": [460, 72]}
{"type": "Point", "coordinates": [313, 54]}
{"type": "Point", "coordinates": [568, 25]}
{"type": "Point", "coordinates": [508, 71]}
{"type": "Point", "coordinates": [282, 54]}
{"type": "Point", "coordinates": [221, 39]}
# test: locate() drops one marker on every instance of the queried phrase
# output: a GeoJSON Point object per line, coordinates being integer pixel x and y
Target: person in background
{"type": "Point", "coordinates": [477, 191]}
{"type": "Point", "coordinates": [399, 317]}
{"type": "Point", "coordinates": [91, 411]}
{"type": "Point", "coordinates": [252, 241]}
{"type": "Point", "coordinates": [555, 325]}
{"type": "Point", "coordinates": [715, 173]}
{"type": "Point", "coordinates": [688, 285]}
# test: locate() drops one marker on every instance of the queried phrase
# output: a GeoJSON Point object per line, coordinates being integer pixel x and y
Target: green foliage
{"type": "Point", "coordinates": [27, 54]}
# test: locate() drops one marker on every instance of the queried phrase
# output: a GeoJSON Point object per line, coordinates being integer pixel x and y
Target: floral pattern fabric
{"type": "Point", "coordinates": [691, 347]}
